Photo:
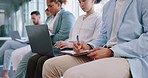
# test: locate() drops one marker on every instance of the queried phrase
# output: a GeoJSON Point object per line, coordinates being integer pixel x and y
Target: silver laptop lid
{"type": "Point", "coordinates": [14, 35]}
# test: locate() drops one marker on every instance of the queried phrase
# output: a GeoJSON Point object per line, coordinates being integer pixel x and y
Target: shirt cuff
{"type": "Point", "coordinates": [91, 46]}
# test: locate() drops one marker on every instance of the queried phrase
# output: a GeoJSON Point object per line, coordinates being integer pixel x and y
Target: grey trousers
{"type": "Point", "coordinates": [83, 67]}
{"type": "Point", "coordinates": [6, 50]}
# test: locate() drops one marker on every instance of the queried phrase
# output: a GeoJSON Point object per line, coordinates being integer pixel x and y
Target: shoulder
{"type": "Point", "coordinates": [107, 5]}
{"type": "Point", "coordinates": [96, 16]}
{"type": "Point", "coordinates": [65, 13]}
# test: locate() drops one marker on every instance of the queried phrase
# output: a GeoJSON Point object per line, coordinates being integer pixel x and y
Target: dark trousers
{"type": "Point", "coordinates": [34, 67]}
{"type": "Point", "coordinates": [35, 64]}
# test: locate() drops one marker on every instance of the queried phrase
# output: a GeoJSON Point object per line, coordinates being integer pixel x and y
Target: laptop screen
{"type": "Point", "coordinates": [40, 40]}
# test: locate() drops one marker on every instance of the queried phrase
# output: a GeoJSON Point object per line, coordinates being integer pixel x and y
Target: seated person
{"type": "Point", "coordinates": [60, 24]}
{"type": "Point", "coordinates": [85, 27]}
{"type": "Point", "coordinates": [10, 45]}
{"type": "Point", "coordinates": [120, 50]}
{"type": "Point", "coordinates": [48, 14]}
{"type": "Point", "coordinates": [18, 54]}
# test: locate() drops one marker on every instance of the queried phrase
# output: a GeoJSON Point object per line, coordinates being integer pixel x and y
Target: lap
{"type": "Point", "coordinates": [14, 44]}
{"type": "Point", "coordinates": [67, 59]}
{"type": "Point", "coordinates": [64, 62]}
{"type": "Point", "coordinates": [43, 59]}
{"type": "Point", "coordinates": [102, 68]}
{"type": "Point", "coordinates": [38, 58]}
{"type": "Point", "coordinates": [35, 58]}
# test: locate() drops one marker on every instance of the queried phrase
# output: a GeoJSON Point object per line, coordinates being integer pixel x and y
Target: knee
{"type": "Point", "coordinates": [8, 52]}
{"type": "Point", "coordinates": [42, 60]}
{"type": "Point", "coordinates": [49, 65]}
{"type": "Point", "coordinates": [9, 41]}
{"type": "Point", "coordinates": [53, 62]}
{"type": "Point", "coordinates": [32, 60]}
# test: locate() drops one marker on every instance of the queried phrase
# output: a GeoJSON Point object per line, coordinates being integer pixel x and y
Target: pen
{"type": "Point", "coordinates": [79, 47]}
{"type": "Point", "coordinates": [77, 38]}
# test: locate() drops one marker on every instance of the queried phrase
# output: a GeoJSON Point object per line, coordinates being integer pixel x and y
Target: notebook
{"type": "Point", "coordinates": [40, 40]}
{"type": "Point", "coordinates": [71, 52]}
{"type": "Point", "coordinates": [16, 36]}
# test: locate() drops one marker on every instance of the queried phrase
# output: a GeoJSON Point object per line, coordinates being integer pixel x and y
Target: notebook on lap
{"type": "Point", "coordinates": [40, 40]}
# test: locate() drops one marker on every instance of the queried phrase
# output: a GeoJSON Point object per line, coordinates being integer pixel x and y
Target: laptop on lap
{"type": "Point", "coordinates": [14, 35]}
{"type": "Point", "coordinates": [40, 40]}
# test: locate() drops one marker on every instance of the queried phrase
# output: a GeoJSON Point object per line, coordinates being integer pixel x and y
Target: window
{"type": "Point", "coordinates": [2, 23]}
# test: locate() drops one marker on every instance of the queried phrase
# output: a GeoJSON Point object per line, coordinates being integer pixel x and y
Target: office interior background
{"type": "Point", "coordinates": [15, 14]}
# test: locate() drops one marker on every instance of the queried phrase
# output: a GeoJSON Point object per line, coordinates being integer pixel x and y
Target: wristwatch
{"type": "Point", "coordinates": [112, 52]}
{"type": "Point", "coordinates": [105, 46]}
{"type": "Point", "coordinates": [91, 46]}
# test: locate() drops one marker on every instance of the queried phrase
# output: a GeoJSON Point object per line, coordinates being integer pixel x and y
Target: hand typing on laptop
{"type": "Point", "coordinates": [64, 44]}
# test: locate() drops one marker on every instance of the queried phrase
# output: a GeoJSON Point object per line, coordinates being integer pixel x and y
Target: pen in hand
{"type": "Point", "coordinates": [78, 38]}
{"type": "Point", "coordinates": [79, 47]}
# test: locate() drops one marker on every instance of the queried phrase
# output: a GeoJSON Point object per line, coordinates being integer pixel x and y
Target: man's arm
{"type": "Point", "coordinates": [136, 47]}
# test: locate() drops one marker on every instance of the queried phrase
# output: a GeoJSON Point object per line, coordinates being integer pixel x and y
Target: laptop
{"type": "Point", "coordinates": [16, 36]}
{"type": "Point", "coordinates": [40, 40]}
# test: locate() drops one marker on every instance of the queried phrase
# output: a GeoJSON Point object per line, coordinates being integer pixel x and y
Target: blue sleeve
{"type": "Point", "coordinates": [136, 47]}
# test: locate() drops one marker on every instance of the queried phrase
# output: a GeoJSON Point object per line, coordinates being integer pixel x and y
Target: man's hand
{"type": "Point", "coordinates": [100, 53]}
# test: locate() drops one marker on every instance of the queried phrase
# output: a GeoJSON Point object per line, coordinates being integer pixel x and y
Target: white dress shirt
{"type": "Point", "coordinates": [87, 29]}
{"type": "Point", "coordinates": [112, 41]}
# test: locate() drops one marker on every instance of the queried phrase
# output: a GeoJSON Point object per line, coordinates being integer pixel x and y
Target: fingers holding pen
{"type": "Point", "coordinates": [80, 46]}
{"type": "Point", "coordinates": [77, 46]}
